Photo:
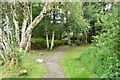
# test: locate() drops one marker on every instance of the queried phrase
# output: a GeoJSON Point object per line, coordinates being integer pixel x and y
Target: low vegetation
{"type": "Point", "coordinates": [34, 70]}
{"type": "Point", "coordinates": [40, 43]}
{"type": "Point", "coordinates": [72, 64]}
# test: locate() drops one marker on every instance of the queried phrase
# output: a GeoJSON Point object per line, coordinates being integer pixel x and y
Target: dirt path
{"type": "Point", "coordinates": [54, 68]}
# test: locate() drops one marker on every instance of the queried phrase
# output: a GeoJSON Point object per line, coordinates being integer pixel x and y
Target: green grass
{"type": "Point", "coordinates": [1, 70]}
{"type": "Point", "coordinates": [34, 70]}
{"type": "Point", "coordinates": [37, 39]}
{"type": "Point", "coordinates": [72, 65]}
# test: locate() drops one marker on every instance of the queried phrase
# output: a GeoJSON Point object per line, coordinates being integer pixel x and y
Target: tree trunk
{"type": "Point", "coordinates": [47, 8]}
{"type": "Point", "coordinates": [9, 52]}
{"type": "Point", "coordinates": [86, 39]}
{"type": "Point", "coordinates": [15, 20]}
{"type": "Point", "coordinates": [31, 18]}
{"type": "Point", "coordinates": [47, 39]}
{"type": "Point", "coordinates": [2, 56]}
{"type": "Point", "coordinates": [1, 46]}
{"type": "Point", "coordinates": [69, 41]}
{"type": "Point", "coordinates": [28, 44]}
{"type": "Point", "coordinates": [7, 25]}
{"type": "Point", "coordinates": [24, 26]}
{"type": "Point", "coordinates": [52, 42]}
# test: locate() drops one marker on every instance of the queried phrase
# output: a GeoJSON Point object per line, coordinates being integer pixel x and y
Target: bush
{"type": "Point", "coordinates": [103, 62]}
{"type": "Point", "coordinates": [103, 56]}
{"type": "Point", "coordinates": [40, 43]}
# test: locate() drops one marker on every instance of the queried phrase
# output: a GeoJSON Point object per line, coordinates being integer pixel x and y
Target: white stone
{"type": "Point", "coordinates": [24, 71]}
{"type": "Point", "coordinates": [39, 61]}
{"type": "Point", "coordinates": [41, 53]}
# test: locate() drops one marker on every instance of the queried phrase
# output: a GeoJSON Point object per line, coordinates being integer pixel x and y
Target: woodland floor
{"type": "Point", "coordinates": [54, 68]}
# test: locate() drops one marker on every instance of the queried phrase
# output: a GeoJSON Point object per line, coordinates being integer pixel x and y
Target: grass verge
{"type": "Point", "coordinates": [73, 66]}
{"type": "Point", "coordinates": [34, 70]}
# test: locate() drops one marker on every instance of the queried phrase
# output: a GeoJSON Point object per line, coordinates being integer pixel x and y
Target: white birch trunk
{"type": "Point", "coordinates": [2, 56]}
{"type": "Point", "coordinates": [16, 24]}
{"type": "Point", "coordinates": [24, 26]}
{"type": "Point", "coordinates": [7, 25]}
{"type": "Point", "coordinates": [29, 29]}
{"type": "Point", "coordinates": [1, 45]}
{"type": "Point", "coordinates": [28, 43]}
{"type": "Point", "coordinates": [5, 45]}
{"type": "Point", "coordinates": [30, 14]}
{"type": "Point", "coordinates": [47, 39]}
{"type": "Point", "coordinates": [52, 42]}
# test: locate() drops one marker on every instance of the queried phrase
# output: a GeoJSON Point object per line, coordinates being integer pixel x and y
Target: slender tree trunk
{"type": "Point", "coordinates": [47, 39]}
{"type": "Point", "coordinates": [15, 20]}
{"type": "Point", "coordinates": [7, 25]}
{"type": "Point", "coordinates": [1, 46]}
{"type": "Point", "coordinates": [24, 26]}
{"type": "Point", "coordinates": [30, 21]}
{"type": "Point", "coordinates": [78, 39]}
{"type": "Point", "coordinates": [28, 43]}
{"type": "Point", "coordinates": [2, 56]}
{"type": "Point", "coordinates": [8, 51]}
{"type": "Point", "coordinates": [52, 42]}
{"type": "Point", "coordinates": [86, 39]}
{"type": "Point", "coordinates": [69, 41]}
{"type": "Point", "coordinates": [30, 10]}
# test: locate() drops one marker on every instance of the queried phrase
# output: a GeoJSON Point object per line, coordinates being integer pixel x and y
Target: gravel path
{"type": "Point", "coordinates": [54, 68]}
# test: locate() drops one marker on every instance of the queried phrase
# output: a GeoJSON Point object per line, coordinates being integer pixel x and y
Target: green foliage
{"type": "Point", "coordinates": [72, 65]}
{"type": "Point", "coordinates": [105, 49]}
{"type": "Point", "coordinates": [40, 43]}
{"type": "Point", "coordinates": [74, 22]}
{"type": "Point", "coordinates": [102, 58]}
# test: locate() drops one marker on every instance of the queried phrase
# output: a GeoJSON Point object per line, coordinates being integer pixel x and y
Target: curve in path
{"type": "Point", "coordinates": [54, 68]}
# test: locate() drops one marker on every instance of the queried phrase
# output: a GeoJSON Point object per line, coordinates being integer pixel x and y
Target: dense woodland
{"type": "Point", "coordinates": [27, 26]}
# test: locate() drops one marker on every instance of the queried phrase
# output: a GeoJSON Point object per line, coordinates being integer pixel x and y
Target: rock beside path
{"type": "Point", "coordinates": [39, 61]}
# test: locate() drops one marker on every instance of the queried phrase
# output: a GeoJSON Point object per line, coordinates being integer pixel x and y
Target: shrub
{"type": "Point", "coordinates": [103, 57]}
{"type": "Point", "coordinates": [40, 43]}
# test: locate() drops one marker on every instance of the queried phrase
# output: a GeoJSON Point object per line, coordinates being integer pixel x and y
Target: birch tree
{"type": "Point", "coordinates": [52, 41]}
{"type": "Point", "coordinates": [47, 8]}
{"type": "Point", "coordinates": [22, 33]}
{"type": "Point", "coordinates": [15, 20]}
{"type": "Point", "coordinates": [27, 28]}
{"type": "Point", "coordinates": [47, 38]}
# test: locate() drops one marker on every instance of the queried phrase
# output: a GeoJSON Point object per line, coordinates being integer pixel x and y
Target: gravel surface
{"type": "Point", "coordinates": [54, 68]}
